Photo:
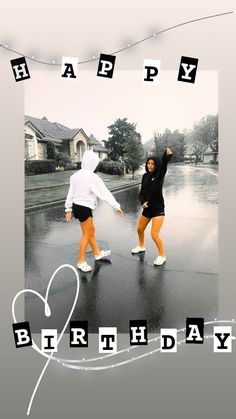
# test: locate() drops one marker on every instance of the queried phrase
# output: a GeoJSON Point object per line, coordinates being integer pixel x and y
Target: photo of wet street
{"type": "Point", "coordinates": [129, 287]}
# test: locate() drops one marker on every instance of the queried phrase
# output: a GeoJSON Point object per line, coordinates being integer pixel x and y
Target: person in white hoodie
{"type": "Point", "coordinates": [85, 187]}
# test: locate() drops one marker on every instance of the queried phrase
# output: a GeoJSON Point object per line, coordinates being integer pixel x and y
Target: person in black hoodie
{"type": "Point", "coordinates": [152, 201]}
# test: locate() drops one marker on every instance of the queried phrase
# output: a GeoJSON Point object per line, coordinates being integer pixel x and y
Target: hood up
{"type": "Point", "coordinates": [156, 162]}
{"type": "Point", "coordinates": [90, 160]}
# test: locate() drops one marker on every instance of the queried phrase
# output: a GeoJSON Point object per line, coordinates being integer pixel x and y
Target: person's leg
{"type": "Point", "coordinates": [142, 224]}
{"type": "Point", "coordinates": [87, 228]}
{"type": "Point", "coordinates": [93, 243]}
{"type": "Point", "coordinates": [156, 227]}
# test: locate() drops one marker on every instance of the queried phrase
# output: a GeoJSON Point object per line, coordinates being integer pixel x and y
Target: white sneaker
{"type": "Point", "coordinates": [138, 249]}
{"type": "Point", "coordinates": [159, 260]}
{"type": "Point", "coordinates": [103, 254]}
{"type": "Point", "coordinates": [84, 267]}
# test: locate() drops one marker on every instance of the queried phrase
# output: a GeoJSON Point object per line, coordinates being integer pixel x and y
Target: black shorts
{"type": "Point", "coordinates": [81, 212]}
{"type": "Point", "coordinates": [153, 212]}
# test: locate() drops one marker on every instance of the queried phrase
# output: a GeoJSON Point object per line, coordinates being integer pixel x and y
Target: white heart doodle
{"type": "Point", "coordinates": [48, 314]}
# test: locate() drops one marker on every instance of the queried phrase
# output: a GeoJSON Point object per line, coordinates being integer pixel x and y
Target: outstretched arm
{"type": "Point", "coordinates": [100, 190]}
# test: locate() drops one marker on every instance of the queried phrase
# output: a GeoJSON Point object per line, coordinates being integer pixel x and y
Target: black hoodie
{"type": "Point", "coordinates": [151, 187]}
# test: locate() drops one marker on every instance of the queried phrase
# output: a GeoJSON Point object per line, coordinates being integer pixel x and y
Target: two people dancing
{"type": "Point", "coordinates": [86, 186]}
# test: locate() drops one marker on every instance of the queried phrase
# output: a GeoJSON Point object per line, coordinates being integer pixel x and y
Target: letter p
{"type": "Point", "coordinates": [106, 65]}
{"type": "Point", "coordinates": [151, 70]}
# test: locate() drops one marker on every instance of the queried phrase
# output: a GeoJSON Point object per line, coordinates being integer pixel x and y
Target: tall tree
{"type": "Point", "coordinates": [134, 152]}
{"type": "Point", "coordinates": [174, 140]}
{"type": "Point", "coordinates": [198, 149]}
{"type": "Point", "coordinates": [159, 143]}
{"type": "Point", "coordinates": [206, 131]}
{"type": "Point", "coordinates": [178, 145]}
{"type": "Point", "coordinates": [119, 132]}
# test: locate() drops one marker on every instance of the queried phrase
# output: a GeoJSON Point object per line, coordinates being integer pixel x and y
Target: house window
{"type": "Point", "coordinates": [29, 137]}
{"type": "Point", "coordinates": [26, 150]}
{"type": "Point", "coordinates": [29, 147]}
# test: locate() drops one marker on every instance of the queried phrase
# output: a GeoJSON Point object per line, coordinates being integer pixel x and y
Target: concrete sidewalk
{"type": "Point", "coordinates": [49, 189]}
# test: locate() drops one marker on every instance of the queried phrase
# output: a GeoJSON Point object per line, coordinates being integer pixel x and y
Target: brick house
{"type": "Point", "coordinates": [73, 142]}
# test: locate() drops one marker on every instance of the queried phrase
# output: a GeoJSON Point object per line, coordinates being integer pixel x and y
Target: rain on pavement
{"type": "Point", "coordinates": [128, 287]}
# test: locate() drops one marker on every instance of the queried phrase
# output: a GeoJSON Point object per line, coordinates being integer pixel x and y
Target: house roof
{"type": "Point", "coordinates": [189, 150]}
{"type": "Point", "coordinates": [55, 131]}
{"type": "Point", "coordinates": [97, 146]}
{"type": "Point", "coordinates": [209, 151]}
{"type": "Point", "coordinates": [51, 129]}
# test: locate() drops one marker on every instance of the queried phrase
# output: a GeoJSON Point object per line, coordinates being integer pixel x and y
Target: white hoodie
{"type": "Point", "coordinates": [86, 186]}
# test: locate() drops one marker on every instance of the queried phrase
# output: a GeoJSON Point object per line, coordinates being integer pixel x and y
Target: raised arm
{"type": "Point", "coordinates": [165, 159]}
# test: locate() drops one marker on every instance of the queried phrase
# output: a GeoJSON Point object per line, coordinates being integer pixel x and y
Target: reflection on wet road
{"type": "Point", "coordinates": [128, 286]}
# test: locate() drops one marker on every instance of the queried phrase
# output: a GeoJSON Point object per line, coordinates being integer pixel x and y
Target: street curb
{"type": "Point", "coordinates": [46, 187]}
{"type": "Point", "coordinates": [38, 188]}
{"type": "Point", "coordinates": [61, 201]}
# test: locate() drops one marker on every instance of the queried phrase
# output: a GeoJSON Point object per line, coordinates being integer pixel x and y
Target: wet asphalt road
{"type": "Point", "coordinates": [128, 286]}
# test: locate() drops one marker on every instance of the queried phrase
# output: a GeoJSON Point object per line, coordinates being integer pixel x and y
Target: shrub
{"type": "Point", "coordinates": [35, 167]}
{"type": "Point", "coordinates": [111, 167]}
{"type": "Point", "coordinates": [63, 160]}
{"type": "Point", "coordinates": [213, 162]}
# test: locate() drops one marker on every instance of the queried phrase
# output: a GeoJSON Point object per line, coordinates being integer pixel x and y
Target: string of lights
{"type": "Point", "coordinates": [127, 361]}
{"type": "Point", "coordinates": [128, 46]}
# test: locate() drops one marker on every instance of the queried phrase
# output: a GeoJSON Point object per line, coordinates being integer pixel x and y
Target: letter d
{"type": "Point", "coordinates": [168, 340]}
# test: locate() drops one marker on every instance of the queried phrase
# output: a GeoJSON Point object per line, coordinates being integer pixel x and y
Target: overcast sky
{"type": "Point", "coordinates": [93, 103]}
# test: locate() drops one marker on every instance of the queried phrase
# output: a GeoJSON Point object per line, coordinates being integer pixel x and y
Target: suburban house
{"type": "Point", "coordinates": [39, 133]}
{"type": "Point", "coordinates": [189, 154]}
{"type": "Point", "coordinates": [209, 155]}
{"type": "Point", "coordinates": [206, 157]}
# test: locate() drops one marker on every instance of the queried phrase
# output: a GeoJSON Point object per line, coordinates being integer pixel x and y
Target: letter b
{"type": "Point", "coordinates": [22, 334]}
